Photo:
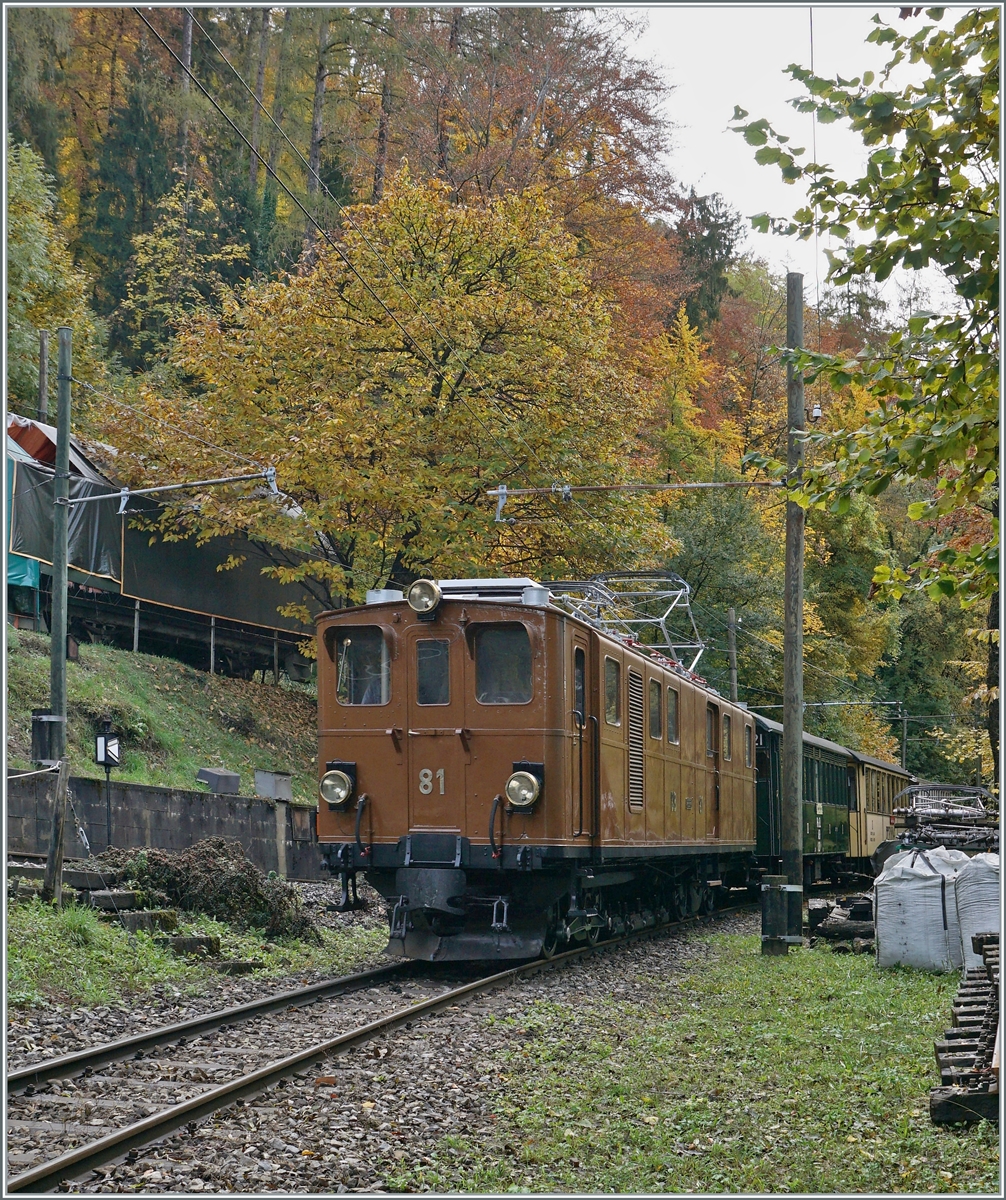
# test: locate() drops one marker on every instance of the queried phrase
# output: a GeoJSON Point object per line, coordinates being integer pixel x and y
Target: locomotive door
{"type": "Point", "coordinates": [436, 739]}
{"type": "Point", "coordinates": [709, 821]}
{"type": "Point", "coordinates": [583, 747]}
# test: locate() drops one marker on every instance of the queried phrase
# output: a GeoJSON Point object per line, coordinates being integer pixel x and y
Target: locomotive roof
{"type": "Point", "coordinates": [835, 748]}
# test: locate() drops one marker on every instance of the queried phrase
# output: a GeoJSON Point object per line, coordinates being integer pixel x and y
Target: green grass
{"type": "Point", "coordinates": [808, 1074]}
{"type": "Point", "coordinates": [172, 719]}
{"type": "Point", "coordinates": [73, 957]}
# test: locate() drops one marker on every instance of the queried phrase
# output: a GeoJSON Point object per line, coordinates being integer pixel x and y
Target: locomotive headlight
{"type": "Point", "coordinates": [336, 787]}
{"type": "Point", "coordinates": [522, 789]}
{"type": "Point", "coordinates": [423, 596]}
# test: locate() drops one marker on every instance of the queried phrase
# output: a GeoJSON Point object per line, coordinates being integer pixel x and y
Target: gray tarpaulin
{"type": "Point", "coordinates": [181, 575]}
{"type": "Point", "coordinates": [94, 541]}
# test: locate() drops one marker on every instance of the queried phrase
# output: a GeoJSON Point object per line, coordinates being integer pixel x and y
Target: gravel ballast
{"type": "Point", "coordinates": [391, 1105]}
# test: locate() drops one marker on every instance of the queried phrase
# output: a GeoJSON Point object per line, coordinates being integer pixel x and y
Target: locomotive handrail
{"type": "Point", "coordinates": [360, 805]}
{"type": "Point", "coordinates": [497, 801]}
{"type": "Point", "coordinates": [595, 726]}
{"type": "Point", "coordinates": [579, 722]}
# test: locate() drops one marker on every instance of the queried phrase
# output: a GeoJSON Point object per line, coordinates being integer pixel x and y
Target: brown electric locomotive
{"type": "Point", "coordinates": [512, 777]}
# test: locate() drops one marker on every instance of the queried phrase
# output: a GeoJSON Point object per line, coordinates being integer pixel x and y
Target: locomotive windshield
{"type": "Point", "coordinates": [362, 667]}
{"type": "Point", "coordinates": [502, 665]}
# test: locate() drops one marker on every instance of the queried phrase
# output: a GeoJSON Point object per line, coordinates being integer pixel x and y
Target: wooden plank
{"type": "Point", "coordinates": [950, 1104]}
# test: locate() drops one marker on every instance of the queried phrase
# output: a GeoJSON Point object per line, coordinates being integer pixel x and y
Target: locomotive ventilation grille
{"type": "Point", "coordinates": [635, 741]}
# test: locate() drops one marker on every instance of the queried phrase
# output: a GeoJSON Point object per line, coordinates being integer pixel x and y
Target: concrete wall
{"type": "Point", "coordinates": [276, 836]}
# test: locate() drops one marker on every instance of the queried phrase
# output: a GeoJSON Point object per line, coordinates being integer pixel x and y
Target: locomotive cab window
{"type": "Point", "coordinates": [433, 671]}
{"type": "Point", "coordinates": [502, 665]}
{"type": "Point", "coordinates": [612, 691]}
{"type": "Point", "coordinates": [580, 683]}
{"type": "Point", "coordinates": [656, 725]}
{"type": "Point", "coordinates": [710, 731]}
{"type": "Point", "coordinates": [672, 716]}
{"type": "Point", "coordinates": [362, 667]}
{"type": "Point", "coordinates": [726, 737]}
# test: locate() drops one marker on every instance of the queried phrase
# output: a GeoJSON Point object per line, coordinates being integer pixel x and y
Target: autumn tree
{"type": "Point", "coordinates": [44, 288]}
{"type": "Point", "coordinates": [436, 351]}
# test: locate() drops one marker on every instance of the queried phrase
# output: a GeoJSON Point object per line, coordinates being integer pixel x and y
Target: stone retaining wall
{"type": "Point", "coordinates": [276, 836]}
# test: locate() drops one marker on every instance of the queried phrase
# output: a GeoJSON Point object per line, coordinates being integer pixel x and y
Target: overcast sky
{"type": "Point", "coordinates": [719, 55]}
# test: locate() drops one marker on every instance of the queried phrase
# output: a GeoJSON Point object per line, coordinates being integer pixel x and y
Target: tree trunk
{"type": "Point", "coordinates": [992, 680]}
{"type": "Point", "coordinates": [317, 126]}
{"type": "Point", "coordinates": [442, 138]}
{"type": "Point", "coordinates": [381, 158]}
{"type": "Point", "coordinates": [186, 85]}
{"type": "Point", "coordinates": [263, 55]}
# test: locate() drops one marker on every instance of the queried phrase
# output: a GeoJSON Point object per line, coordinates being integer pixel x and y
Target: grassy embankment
{"type": "Point", "coordinates": [73, 957]}
{"type": "Point", "coordinates": [171, 718]}
{"type": "Point", "coordinates": [808, 1074]}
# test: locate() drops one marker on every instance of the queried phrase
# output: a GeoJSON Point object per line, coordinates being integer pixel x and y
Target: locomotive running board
{"type": "Point", "coordinates": [464, 947]}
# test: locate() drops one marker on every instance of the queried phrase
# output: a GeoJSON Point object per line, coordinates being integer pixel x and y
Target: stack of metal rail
{"type": "Point", "coordinates": [968, 1057]}
{"type": "Point", "coordinates": [956, 816]}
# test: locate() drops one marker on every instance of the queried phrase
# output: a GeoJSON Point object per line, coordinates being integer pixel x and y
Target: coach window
{"type": "Point", "coordinates": [726, 737]}
{"type": "Point", "coordinates": [672, 716]}
{"type": "Point", "coordinates": [433, 671]}
{"type": "Point", "coordinates": [612, 691]}
{"type": "Point", "coordinates": [656, 725]}
{"type": "Point", "coordinates": [502, 665]}
{"type": "Point", "coordinates": [748, 759]}
{"type": "Point", "coordinates": [363, 673]}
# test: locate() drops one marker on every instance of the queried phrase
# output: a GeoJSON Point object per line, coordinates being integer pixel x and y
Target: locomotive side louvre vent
{"type": "Point", "coordinates": [635, 741]}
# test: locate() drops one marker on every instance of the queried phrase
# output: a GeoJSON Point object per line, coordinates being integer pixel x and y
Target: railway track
{"type": "Point", "coordinates": [149, 1066]}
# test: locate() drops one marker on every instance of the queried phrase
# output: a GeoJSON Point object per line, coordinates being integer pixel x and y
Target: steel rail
{"type": "Point", "coordinates": [83, 1159]}
{"type": "Point", "coordinates": [136, 1045]}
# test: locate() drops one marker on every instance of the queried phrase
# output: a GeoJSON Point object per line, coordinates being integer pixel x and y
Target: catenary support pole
{"type": "Point", "coordinates": [732, 651]}
{"type": "Point", "coordinates": [43, 375]}
{"type": "Point", "coordinates": [52, 882]}
{"type": "Point", "coordinates": [792, 738]}
{"type": "Point", "coordinates": [60, 513]}
{"type": "Point", "coordinates": [903, 714]}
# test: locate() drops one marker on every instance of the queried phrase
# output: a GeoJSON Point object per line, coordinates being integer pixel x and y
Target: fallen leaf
{"type": "Point", "coordinates": [325, 1081]}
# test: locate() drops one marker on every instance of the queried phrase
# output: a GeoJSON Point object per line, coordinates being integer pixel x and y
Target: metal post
{"type": "Point", "coordinates": [732, 651]}
{"type": "Point", "coordinates": [213, 645]}
{"type": "Point", "coordinates": [792, 738]}
{"type": "Point", "coordinates": [774, 915]}
{"type": "Point", "coordinates": [52, 883]}
{"type": "Point", "coordinates": [902, 713]}
{"type": "Point", "coordinates": [136, 627]}
{"type": "Point", "coordinates": [43, 375]}
{"type": "Point", "coordinates": [61, 488]}
{"type": "Point", "coordinates": [108, 807]}
{"type": "Point", "coordinates": [275, 656]}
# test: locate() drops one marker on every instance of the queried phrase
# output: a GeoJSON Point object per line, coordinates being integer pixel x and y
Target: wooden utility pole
{"type": "Point", "coordinates": [792, 737]}
{"type": "Point", "coordinates": [60, 513]}
{"type": "Point", "coordinates": [52, 882]}
{"type": "Point", "coordinates": [43, 375]}
{"type": "Point", "coordinates": [732, 651]}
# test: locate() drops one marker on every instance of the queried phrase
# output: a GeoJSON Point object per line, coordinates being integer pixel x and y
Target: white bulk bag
{"type": "Point", "coordinates": [915, 911]}
{"type": "Point", "coordinates": [976, 890]}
